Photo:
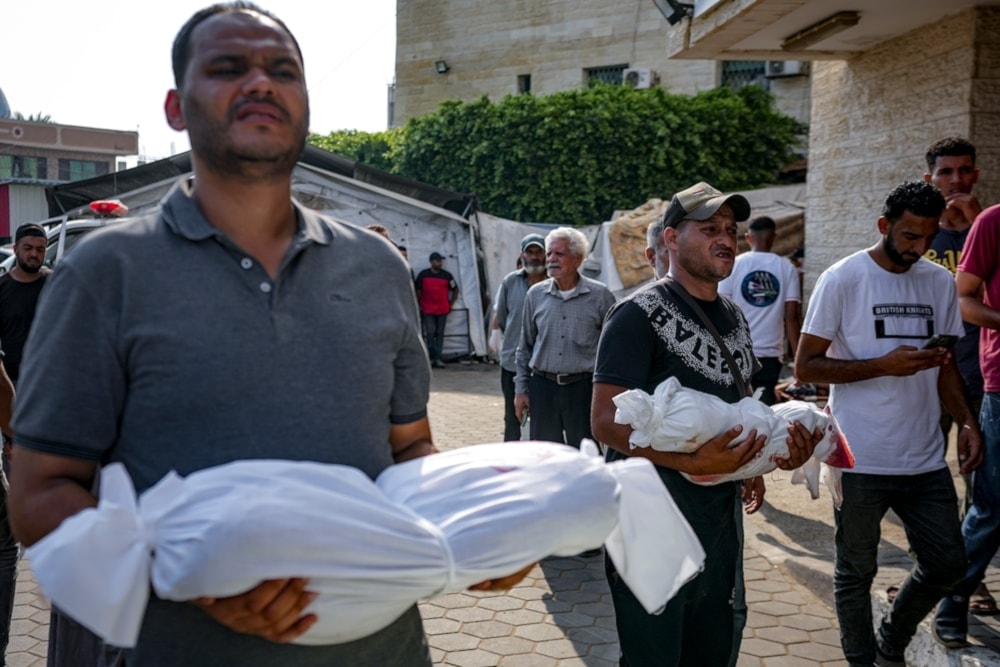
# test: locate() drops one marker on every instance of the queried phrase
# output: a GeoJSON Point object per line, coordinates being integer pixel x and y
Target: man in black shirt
{"type": "Point", "coordinates": [653, 335]}
{"type": "Point", "coordinates": [19, 292]}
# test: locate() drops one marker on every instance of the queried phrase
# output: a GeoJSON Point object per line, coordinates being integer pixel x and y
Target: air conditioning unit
{"type": "Point", "coordinates": [780, 68]}
{"type": "Point", "coordinates": [640, 77]}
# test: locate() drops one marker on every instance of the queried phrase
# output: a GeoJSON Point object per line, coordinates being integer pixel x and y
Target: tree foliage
{"type": "Point", "coordinates": [574, 157]}
{"type": "Point", "coordinates": [33, 118]}
{"type": "Point", "coordinates": [372, 148]}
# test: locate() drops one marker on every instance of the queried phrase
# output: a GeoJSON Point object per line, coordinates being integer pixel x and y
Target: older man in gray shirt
{"type": "Point", "coordinates": [560, 327]}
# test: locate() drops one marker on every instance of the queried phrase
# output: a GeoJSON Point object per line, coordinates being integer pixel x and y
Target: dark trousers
{"type": "Point", "coordinates": [8, 569]}
{"type": "Point", "coordinates": [433, 334]}
{"type": "Point", "coordinates": [511, 426]}
{"type": "Point", "coordinates": [766, 378]}
{"type": "Point", "coordinates": [560, 412]}
{"type": "Point", "coordinates": [72, 644]}
{"type": "Point", "coordinates": [703, 623]}
{"type": "Point", "coordinates": [928, 507]}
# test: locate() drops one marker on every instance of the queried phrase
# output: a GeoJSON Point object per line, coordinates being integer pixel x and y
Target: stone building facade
{"type": "Point", "coordinates": [874, 115]}
{"type": "Point", "coordinates": [541, 46]}
{"type": "Point", "coordinates": [884, 86]}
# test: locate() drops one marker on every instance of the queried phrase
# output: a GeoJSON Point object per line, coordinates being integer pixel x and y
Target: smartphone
{"type": "Point", "coordinates": [941, 340]}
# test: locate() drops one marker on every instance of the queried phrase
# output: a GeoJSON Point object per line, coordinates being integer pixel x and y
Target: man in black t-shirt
{"type": "Point", "coordinates": [653, 335]}
{"type": "Point", "coordinates": [19, 292]}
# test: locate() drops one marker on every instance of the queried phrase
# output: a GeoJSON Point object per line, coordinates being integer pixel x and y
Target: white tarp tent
{"type": "Point", "coordinates": [420, 226]}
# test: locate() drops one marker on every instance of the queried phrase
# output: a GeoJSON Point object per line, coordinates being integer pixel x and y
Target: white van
{"type": "Point", "coordinates": [63, 235]}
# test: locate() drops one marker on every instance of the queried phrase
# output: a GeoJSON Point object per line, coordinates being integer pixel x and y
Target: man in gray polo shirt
{"type": "Point", "coordinates": [231, 325]}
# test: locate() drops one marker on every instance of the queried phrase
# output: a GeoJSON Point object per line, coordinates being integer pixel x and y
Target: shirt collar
{"type": "Point", "coordinates": [182, 216]}
{"type": "Point", "coordinates": [581, 287]}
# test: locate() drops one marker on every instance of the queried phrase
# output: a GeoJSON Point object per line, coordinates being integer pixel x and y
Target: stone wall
{"type": "Point", "coordinates": [487, 45]}
{"type": "Point", "coordinates": [874, 116]}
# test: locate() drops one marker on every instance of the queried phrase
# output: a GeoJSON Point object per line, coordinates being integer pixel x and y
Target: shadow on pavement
{"type": "Point", "coordinates": [580, 604]}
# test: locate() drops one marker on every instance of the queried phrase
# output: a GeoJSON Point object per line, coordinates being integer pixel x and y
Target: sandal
{"type": "Point", "coordinates": [981, 603]}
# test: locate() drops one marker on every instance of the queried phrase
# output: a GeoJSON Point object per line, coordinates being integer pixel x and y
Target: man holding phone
{"type": "Point", "coordinates": [869, 315]}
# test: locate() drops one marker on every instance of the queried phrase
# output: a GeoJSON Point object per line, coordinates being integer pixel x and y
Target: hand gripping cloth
{"type": "Point", "coordinates": [678, 419]}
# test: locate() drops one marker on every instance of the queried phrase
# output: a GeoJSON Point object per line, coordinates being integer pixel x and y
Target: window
{"type": "Point", "coordinates": [612, 75]}
{"type": "Point", "coordinates": [22, 166]}
{"type": "Point", "coordinates": [739, 73]}
{"type": "Point", "coordinates": [76, 170]}
{"type": "Point", "coordinates": [523, 83]}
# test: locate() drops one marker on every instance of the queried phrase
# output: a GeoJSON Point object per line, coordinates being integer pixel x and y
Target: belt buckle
{"type": "Point", "coordinates": [560, 376]}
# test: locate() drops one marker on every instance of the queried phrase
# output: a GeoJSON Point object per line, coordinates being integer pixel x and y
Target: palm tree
{"type": "Point", "coordinates": [33, 118]}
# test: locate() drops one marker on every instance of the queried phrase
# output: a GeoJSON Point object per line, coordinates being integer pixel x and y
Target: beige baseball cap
{"type": "Point", "coordinates": [700, 202]}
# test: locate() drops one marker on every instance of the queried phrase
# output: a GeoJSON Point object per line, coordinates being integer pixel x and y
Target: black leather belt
{"type": "Point", "coordinates": [564, 378]}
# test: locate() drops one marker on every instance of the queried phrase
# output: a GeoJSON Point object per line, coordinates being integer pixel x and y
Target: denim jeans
{"type": "Point", "coordinates": [928, 507]}
{"type": "Point", "coordinates": [981, 527]}
{"type": "Point", "coordinates": [434, 334]}
{"type": "Point", "coordinates": [8, 569]}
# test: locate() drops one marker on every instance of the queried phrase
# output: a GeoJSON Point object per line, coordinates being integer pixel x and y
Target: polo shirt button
{"type": "Point", "coordinates": [246, 263]}
{"type": "Point", "coordinates": [265, 287]}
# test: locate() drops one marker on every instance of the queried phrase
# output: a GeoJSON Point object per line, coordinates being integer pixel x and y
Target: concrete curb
{"type": "Point", "coordinates": [923, 651]}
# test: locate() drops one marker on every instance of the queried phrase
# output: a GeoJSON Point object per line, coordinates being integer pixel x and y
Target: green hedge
{"type": "Point", "coordinates": [574, 157]}
{"type": "Point", "coordinates": [373, 148]}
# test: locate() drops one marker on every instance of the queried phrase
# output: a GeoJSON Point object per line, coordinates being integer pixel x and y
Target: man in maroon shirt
{"type": "Point", "coordinates": [436, 293]}
{"type": "Point", "coordinates": [978, 282]}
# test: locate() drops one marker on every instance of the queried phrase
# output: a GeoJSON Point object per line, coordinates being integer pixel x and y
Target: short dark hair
{"type": "Point", "coordinates": [181, 51]}
{"type": "Point", "coordinates": [917, 197]}
{"type": "Point", "coordinates": [29, 229]}
{"type": "Point", "coordinates": [762, 223]}
{"type": "Point", "coordinates": [951, 146]}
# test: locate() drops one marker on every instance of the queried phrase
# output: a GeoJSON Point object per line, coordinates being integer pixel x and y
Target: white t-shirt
{"type": "Point", "coordinates": [760, 284]}
{"type": "Point", "coordinates": [865, 312]}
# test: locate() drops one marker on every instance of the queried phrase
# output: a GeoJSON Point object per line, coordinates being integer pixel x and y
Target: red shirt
{"type": "Point", "coordinates": [981, 257]}
{"type": "Point", "coordinates": [435, 291]}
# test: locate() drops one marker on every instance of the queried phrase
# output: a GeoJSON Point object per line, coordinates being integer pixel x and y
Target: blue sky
{"type": "Point", "coordinates": [106, 63]}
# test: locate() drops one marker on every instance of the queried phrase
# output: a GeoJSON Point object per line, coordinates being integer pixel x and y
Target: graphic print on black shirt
{"type": "Point", "coordinates": [693, 345]}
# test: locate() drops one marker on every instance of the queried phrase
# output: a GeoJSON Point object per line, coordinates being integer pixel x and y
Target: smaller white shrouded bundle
{"type": "Point", "coordinates": [679, 419]}
{"type": "Point", "coordinates": [426, 527]}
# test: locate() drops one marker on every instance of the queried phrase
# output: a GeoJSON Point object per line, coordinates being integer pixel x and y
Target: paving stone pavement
{"type": "Point", "coordinates": [561, 614]}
